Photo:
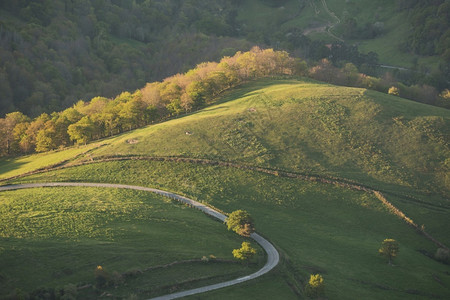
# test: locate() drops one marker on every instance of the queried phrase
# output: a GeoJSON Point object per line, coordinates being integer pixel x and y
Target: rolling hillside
{"type": "Point", "coordinates": [346, 135]}
{"type": "Point", "coordinates": [310, 127]}
{"type": "Point", "coordinates": [312, 130]}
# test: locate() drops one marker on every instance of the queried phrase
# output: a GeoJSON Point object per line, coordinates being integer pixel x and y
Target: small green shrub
{"type": "Point", "coordinates": [101, 277]}
{"type": "Point", "coordinates": [315, 286]}
{"type": "Point", "coordinates": [394, 91]}
{"type": "Point", "coordinates": [443, 255]}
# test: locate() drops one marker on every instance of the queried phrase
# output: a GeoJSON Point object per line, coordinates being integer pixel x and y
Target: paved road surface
{"type": "Point", "coordinates": [272, 254]}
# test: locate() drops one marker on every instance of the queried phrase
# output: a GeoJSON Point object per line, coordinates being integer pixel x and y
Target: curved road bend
{"type": "Point", "coordinates": [273, 256]}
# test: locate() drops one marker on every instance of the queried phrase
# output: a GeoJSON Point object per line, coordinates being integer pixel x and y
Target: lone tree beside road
{"type": "Point", "coordinates": [241, 222]}
{"type": "Point", "coordinates": [389, 249]}
{"type": "Point", "coordinates": [246, 252]}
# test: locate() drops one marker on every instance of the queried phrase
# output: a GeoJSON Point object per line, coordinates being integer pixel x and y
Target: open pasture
{"type": "Point", "coordinates": [54, 237]}
{"type": "Point", "coordinates": [317, 228]}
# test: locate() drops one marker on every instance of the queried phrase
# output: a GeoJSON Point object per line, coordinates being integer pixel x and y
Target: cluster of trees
{"type": "Point", "coordinates": [349, 75]}
{"type": "Point", "coordinates": [242, 223]}
{"type": "Point", "coordinates": [430, 36]}
{"type": "Point", "coordinates": [101, 117]}
{"type": "Point", "coordinates": [184, 92]}
{"type": "Point", "coordinates": [81, 123]}
{"type": "Point", "coordinates": [430, 20]}
{"type": "Point", "coordinates": [352, 30]}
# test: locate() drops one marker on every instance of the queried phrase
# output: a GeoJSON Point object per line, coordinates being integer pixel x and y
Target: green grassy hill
{"type": "Point", "coordinates": [310, 127]}
{"type": "Point", "coordinates": [385, 142]}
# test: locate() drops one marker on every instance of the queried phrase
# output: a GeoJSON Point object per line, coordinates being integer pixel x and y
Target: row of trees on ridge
{"type": "Point", "coordinates": [102, 117]}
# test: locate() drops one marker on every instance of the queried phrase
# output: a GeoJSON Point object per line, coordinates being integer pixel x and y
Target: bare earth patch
{"type": "Point", "coordinates": [132, 141]}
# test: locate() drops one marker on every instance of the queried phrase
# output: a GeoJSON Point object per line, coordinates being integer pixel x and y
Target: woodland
{"type": "Point", "coordinates": [54, 53]}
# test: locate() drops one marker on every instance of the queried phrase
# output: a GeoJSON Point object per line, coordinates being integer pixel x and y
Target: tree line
{"type": "Point", "coordinates": [102, 117]}
{"type": "Point", "coordinates": [349, 75]}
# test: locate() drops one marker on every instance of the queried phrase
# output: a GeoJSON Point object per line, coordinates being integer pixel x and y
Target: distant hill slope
{"type": "Point", "coordinates": [53, 53]}
{"type": "Point", "coordinates": [310, 127]}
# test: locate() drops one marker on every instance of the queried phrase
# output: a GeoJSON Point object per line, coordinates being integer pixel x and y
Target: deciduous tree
{"type": "Point", "coordinates": [10, 144]}
{"type": "Point", "coordinates": [81, 131]}
{"type": "Point", "coordinates": [245, 253]}
{"type": "Point", "coordinates": [46, 137]}
{"type": "Point", "coordinates": [389, 249]}
{"type": "Point", "coordinates": [315, 286]}
{"type": "Point", "coordinates": [241, 222]}
{"type": "Point", "coordinates": [28, 140]}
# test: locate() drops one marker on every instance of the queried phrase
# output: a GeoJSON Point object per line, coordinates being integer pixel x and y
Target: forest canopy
{"type": "Point", "coordinates": [53, 53]}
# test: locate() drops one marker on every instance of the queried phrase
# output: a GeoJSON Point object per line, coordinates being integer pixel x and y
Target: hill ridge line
{"type": "Point", "coordinates": [273, 257]}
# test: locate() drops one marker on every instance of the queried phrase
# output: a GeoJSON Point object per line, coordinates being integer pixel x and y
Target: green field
{"type": "Point", "coordinates": [385, 142]}
{"type": "Point", "coordinates": [317, 228]}
{"type": "Point", "coordinates": [52, 237]}
{"type": "Point", "coordinates": [303, 126]}
{"type": "Point", "coordinates": [10, 167]}
{"type": "Point", "coordinates": [311, 127]}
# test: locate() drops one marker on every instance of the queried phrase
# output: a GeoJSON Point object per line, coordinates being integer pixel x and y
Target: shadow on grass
{"type": "Point", "coordinates": [10, 164]}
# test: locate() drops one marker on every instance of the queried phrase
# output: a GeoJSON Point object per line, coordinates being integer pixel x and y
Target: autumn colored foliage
{"type": "Point", "coordinates": [101, 117]}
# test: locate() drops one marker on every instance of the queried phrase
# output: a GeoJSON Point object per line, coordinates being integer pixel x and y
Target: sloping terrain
{"type": "Point", "coordinates": [317, 228]}
{"type": "Point", "coordinates": [342, 134]}
{"type": "Point", "coordinates": [310, 127]}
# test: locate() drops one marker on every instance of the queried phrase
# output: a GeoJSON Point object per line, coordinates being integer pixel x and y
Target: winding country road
{"type": "Point", "coordinates": [273, 256]}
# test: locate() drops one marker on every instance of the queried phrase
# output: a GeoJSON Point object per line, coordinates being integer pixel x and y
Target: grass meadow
{"type": "Point", "coordinates": [10, 167]}
{"type": "Point", "coordinates": [303, 126]}
{"type": "Point", "coordinates": [317, 228]}
{"type": "Point", "coordinates": [310, 127]}
{"type": "Point", "coordinates": [53, 237]}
